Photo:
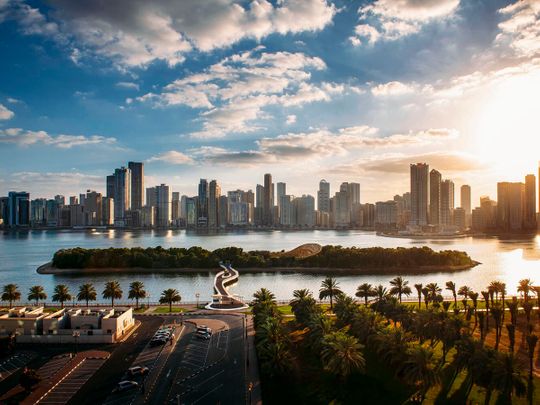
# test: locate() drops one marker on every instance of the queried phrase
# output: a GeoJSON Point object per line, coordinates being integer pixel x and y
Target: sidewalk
{"type": "Point", "coordinates": [253, 382]}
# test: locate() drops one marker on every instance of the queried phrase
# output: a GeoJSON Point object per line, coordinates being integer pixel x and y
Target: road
{"type": "Point", "coordinates": [100, 385]}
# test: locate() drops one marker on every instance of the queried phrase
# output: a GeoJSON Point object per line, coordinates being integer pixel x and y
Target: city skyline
{"type": "Point", "coordinates": [353, 90]}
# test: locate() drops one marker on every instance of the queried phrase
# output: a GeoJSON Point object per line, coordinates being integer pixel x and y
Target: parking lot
{"type": "Point", "coordinates": [63, 392]}
{"type": "Point", "coordinates": [14, 363]}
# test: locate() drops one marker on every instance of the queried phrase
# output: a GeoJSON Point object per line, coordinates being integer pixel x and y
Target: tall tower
{"type": "Point", "coordinates": [214, 193]}
{"type": "Point", "coordinates": [447, 202]}
{"type": "Point", "coordinates": [268, 200]}
{"type": "Point", "coordinates": [419, 194]}
{"type": "Point", "coordinates": [122, 194]}
{"type": "Point", "coordinates": [529, 220]}
{"type": "Point", "coordinates": [323, 196]}
{"type": "Point", "coordinates": [137, 184]}
{"type": "Point", "coordinates": [281, 190]}
{"type": "Point", "coordinates": [164, 205]}
{"type": "Point", "coordinates": [465, 194]}
{"type": "Point", "coordinates": [435, 179]}
{"type": "Point", "coordinates": [202, 209]}
{"type": "Point", "coordinates": [111, 182]}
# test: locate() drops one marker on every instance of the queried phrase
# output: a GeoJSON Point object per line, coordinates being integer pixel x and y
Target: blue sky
{"type": "Point", "coordinates": [304, 89]}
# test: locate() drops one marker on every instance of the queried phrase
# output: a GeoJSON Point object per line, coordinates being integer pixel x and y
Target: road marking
{"type": "Point", "coordinates": [208, 393]}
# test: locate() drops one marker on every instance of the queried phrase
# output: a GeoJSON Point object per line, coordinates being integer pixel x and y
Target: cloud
{"type": "Point", "coordinates": [390, 20]}
{"type": "Point", "coordinates": [138, 32]}
{"type": "Point", "coordinates": [521, 28]}
{"type": "Point", "coordinates": [127, 85]}
{"type": "Point", "coordinates": [23, 137]}
{"type": "Point", "coordinates": [291, 119]}
{"type": "Point", "coordinates": [48, 184]}
{"type": "Point", "coordinates": [234, 92]}
{"type": "Point", "coordinates": [172, 157]}
{"type": "Point", "coordinates": [317, 145]}
{"type": "Point", "coordinates": [442, 161]}
{"type": "Point", "coordinates": [392, 89]}
{"type": "Point", "coordinates": [5, 113]}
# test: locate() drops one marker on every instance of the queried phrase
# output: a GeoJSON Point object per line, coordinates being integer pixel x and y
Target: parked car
{"type": "Point", "coordinates": [158, 341]}
{"type": "Point", "coordinates": [138, 370]}
{"type": "Point", "coordinates": [203, 335]}
{"type": "Point", "coordinates": [204, 328]}
{"type": "Point", "coordinates": [126, 385]}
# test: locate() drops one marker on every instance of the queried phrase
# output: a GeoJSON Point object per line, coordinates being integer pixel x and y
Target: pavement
{"type": "Point", "coordinates": [14, 363]}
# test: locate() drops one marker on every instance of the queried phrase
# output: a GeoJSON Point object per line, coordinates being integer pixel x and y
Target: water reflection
{"type": "Point", "coordinates": [506, 259]}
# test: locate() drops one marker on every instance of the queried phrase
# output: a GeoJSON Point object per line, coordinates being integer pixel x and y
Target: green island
{"type": "Point", "coordinates": [306, 258]}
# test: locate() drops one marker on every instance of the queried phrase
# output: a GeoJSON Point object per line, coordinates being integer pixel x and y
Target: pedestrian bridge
{"type": "Point", "coordinates": [223, 300]}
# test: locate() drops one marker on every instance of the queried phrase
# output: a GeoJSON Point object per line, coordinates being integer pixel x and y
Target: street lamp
{"type": "Point", "coordinates": [197, 295]}
{"type": "Point", "coordinates": [250, 388]}
{"type": "Point", "coordinates": [76, 334]}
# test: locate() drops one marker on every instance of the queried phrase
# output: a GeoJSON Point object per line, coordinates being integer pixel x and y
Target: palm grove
{"type": "Point", "coordinates": [382, 350]}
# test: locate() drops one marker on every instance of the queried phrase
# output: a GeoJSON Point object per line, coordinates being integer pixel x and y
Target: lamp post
{"type": "Point", "coordinates": [197, 295]}
{"type": "Point", "coordinates": [250, 388]}
{"type": "Point", "coordinates": [76, 335]}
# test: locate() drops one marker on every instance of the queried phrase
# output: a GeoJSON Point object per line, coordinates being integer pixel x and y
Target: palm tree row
{"type": "Point", "coordinates": [87, 293]}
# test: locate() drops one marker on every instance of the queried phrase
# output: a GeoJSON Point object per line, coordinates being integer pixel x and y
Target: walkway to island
{"type": "Point", "coordinates": [222, 299]}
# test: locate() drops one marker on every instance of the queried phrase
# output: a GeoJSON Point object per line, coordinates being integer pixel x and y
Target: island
{"type": "Point", "coordinates": [309, 258]}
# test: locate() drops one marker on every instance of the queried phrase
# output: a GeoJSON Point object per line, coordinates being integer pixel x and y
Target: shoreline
{"type": "Point", "coordinates": [48, 269]}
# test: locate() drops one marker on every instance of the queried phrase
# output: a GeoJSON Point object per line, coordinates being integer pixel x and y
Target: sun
{"type": "Point", "coordinates": [508, 125]}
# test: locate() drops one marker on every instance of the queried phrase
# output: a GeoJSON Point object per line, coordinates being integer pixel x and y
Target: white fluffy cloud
{"type": "Point", "coordinates": [394, 88]}
{"type": "Point", "coordinates": [127, 85]}
{"type": "Point", "coordinates": [172, 157]}
{"type": "Point", "coordinates": [138, 32]}
{"type": "Point", "coordinates": [291, 119]}
{"type": "Point", "coordinates": [26, 138]}
{"type": "Point", "coordinates": [521, 27]}
{"type": "Point", "coordinates": [234, 92]}
{"type": "Point", "coordinates": [393, 19]}
{"type": "Point", "coordinates": [5, 113]}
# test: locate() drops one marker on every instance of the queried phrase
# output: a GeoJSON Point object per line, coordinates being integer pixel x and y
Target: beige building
{"type": "Point", "coordinates": [32, 325]}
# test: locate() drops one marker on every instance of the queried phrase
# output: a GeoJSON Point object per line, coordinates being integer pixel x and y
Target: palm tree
{"type": "Point", "coordinates": [342, 354]}
{"type": "Point", "coordinates": [507, 377]}
{"type": "Point", "coordinates": [525, 287]}
{"type": "Point", "coordinates": [11, 293]}
{"type": "Point", "coordinates": [513, 308]}
{"type": "Point", "coordinates": [511, 328]}
{"type": "Point", "coordinates": [532, 340]}
{"type": "Point", "coordinates": [169, 296]}
{"type": "Point", "coordinates": [136, 292]}
{"type": "Point", "coordinates": [381, 293]}
{"type": "Point", "coordinates": [434, 290]}
{"type": "Point", "coordinates": [400, 287]}
{"type": "Point", "coordinates": [485, 294]}
{"type": "Point", "coordinates": [451, 286]}
{"type": "Point", "coordinates": [87, 293]}
{"type": "Point", "coordinates": [497, 311]}
{"type": "Point", "coordinates": [425, 293]}
{"type": "Point", "coordinates": [61, 294]}
{"type": "Point", "coordinates": [302, 305]}
{"type": "Point", "coordinates": [329, 289]}
{"type": "Point", "coordinates": [464, 291]}
{"type": "Point", "coordinates": [474, 298]}
{"type": "Point", "coordinates": [419, 287]}
{"type": "Point", "coordinates": [113, 291]}
{"type": "Point", "coordinates": [527, 308]}
{"type": "Point", "coordinates": [419, 370]}
{"type": "Point", "coordinates": [36, 293]}
{"type": "Point", "coordinates": [365, 291]}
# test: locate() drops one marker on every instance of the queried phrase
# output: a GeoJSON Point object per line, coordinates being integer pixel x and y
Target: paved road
{"type": "Point", "coordinates": [14, 362]}
{"type": "Point", "coordinates": [206, 371]}
{"type": "Point", "coordinates": [103, 382]}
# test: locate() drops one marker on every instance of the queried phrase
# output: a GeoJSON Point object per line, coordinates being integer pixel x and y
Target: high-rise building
{"type": "Point", "coordinates": [305, 211]}
{"type": "Point", "coordinates": [191, 212]}
{"type": "Point", "coordinates": [137, 184]}
{"type": "Point", "coordinates": [214, 192]}
{"type": "Point", "coordinates": [259, 199]}
{"type": "Point", "coordinates": [459, 219]}
{"type": "Point", "coordinates": [60, 199]}
{"type": "Point", "coordinates": [386, 215]}
{"type": "Point", "coordinates": [287, 213]}
{"type": "Point", "coordinates": [529, 220]}
{"type": "Point", "coordinates": [435, 180]}
{"type": "Point", "coordinates": [419, 194]}
{"type": "Point", "coordinates": [465, 195]}
{"type": "Point", "coordinates": [223, 211]}
{"type": "Point", "coordinates": [93, 208]}
{"type": "Point", "coordinates": [281, 189]}
{"type": "Point", "coordinates": [74, 200]}
{"type": "Point", "coordinates": [510, 206]}
{"type": "Point", "coordinates": [19, 209]}
{"type": "Point", "coordinates": [111, 184]}
{"type": "Point", "coordinates": [341, 209]}
{"type": "Point", "coordinates": [175, 208]}
{"type": "Point", "coordinates": [151, 197]}
{"type": "Point", "coordinates": [51, 212]}
{"type": "Point", "coordinates": [323, 196]}
{"type": "Point", "coordinates": [268, 200]}
{"type": "Point", "coordinates": [107, 211]}
{"type": "Point", "coordinates": [202, 206]}
{"type": "Point", "coordinates": [163, 213]}
{"type": "Point", "coordinates": [447, 202]}
{"type": "Point", "coordinates": [38, 209]}
{"type": "Point", "coordinates": [122, 195]}
{"type": "Point", "coordinates": [354, 193]}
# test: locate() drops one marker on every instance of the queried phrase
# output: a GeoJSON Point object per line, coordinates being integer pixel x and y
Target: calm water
{"type": "Point", "coordinates": [508, 260]}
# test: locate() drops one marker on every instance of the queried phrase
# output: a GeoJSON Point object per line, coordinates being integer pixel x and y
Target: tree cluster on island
{"type": "Point", "coordinates": [196, 257]}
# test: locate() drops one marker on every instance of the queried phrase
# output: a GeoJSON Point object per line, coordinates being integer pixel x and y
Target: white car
{"type": "Point", "coordinates": [204, 328]}
{"type": "Point", "coordinates": [126, 385]}
{"type": "Point", "coordinates": [138, 370]}
{"type": "Point", "coordinates": [201, 334]}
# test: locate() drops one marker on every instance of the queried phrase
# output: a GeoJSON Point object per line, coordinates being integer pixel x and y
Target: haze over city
{"type": "Point", "coordinates": [346, 91]}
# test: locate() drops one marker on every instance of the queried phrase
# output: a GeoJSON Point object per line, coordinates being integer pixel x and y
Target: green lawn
{"type": "Point", "coordinates": [165, 310]}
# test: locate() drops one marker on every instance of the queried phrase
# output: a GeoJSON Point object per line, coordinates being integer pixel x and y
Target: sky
{"type": "Point", "coordinates": [303, 89]}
